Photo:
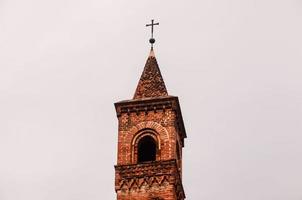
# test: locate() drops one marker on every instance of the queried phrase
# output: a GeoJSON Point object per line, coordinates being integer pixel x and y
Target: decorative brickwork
{"type": "Point", "coordinates": [155, 117]}
{"type": "Point", "coordinates": [133, 179]}
{"type": "Point", "coordinates": [151, 83]}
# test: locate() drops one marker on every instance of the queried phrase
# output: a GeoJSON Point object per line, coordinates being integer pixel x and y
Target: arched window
{"type": "Point", "coordinates": [146, 149]}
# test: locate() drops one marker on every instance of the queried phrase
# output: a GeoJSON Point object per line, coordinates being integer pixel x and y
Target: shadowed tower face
{"type": "Point", "coordinates": [150, 140]}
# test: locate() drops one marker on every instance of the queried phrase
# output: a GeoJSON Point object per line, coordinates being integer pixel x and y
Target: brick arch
{"type": "Point", "coordinates": [155, 130]}
{"type": "Point", "coordinates": [138, 137]}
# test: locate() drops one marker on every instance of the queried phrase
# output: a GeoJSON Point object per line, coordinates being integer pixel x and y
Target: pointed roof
{"type": "Point", "coordinates": [151, 83]}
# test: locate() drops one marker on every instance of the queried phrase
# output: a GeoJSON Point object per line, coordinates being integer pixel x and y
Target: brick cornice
{"type": "Point", "coordinates": [153, 104]}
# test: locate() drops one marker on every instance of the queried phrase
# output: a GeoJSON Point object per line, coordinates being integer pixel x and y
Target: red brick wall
{"type": "Point", "coordinates": [158, 179]}
{"type": "Point", "coordinates": [163, 193]}
{"type": "Point", "coordinates": [160, 123]}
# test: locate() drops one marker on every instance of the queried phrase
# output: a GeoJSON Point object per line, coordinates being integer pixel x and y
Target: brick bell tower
{"type": "Point", "coordinates": [151, 136]}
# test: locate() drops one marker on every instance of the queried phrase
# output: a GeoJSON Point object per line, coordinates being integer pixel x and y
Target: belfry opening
{"type": "Point", "coordinates": [146, 149]}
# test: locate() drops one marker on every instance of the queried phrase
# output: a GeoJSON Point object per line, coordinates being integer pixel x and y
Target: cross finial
{"type": "Point", "coordinates": [152, 40]}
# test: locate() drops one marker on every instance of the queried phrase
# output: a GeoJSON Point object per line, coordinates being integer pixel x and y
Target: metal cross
{"type": "Point", "coordinates": [152, 25]}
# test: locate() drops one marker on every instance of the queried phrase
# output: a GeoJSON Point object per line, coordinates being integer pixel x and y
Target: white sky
{"type": "Point", "coordinates": [235, 65]}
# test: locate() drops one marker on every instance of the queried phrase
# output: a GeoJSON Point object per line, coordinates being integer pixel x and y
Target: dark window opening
{"type": "Point", "coordinates": [146, 149]}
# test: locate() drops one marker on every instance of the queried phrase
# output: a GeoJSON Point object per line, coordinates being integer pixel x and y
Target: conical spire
{"type": "Point", "coordinates": [151, 83]}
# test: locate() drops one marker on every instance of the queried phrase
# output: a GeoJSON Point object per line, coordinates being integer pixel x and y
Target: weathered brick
{"type": "Point", "coordinates": [154, 114]}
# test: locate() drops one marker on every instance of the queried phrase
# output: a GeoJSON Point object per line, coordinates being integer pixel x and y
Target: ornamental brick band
{"type": "Point", "coordinates": [139, 178]}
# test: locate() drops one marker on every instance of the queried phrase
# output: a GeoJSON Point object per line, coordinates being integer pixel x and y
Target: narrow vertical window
{"type": "Point", "coordinates": [178, 151]}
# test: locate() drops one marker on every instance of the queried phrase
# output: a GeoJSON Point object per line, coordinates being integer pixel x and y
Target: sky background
{"type": "Point", "coordinates": [236, 66]}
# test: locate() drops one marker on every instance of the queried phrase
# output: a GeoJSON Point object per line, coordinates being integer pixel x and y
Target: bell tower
{"type": "Point", "coordinates": [151, 136]}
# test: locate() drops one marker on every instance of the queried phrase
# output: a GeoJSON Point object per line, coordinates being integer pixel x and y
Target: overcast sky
{"type": "Point", "coordinates": [236, 66]}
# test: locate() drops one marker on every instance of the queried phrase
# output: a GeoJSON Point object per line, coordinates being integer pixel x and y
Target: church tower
{"type": "Point", "coordinates": [151, 136]}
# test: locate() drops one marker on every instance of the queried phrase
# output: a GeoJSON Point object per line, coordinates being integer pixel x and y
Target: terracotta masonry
{"type": "Point", "coordinates": [150, 140]}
